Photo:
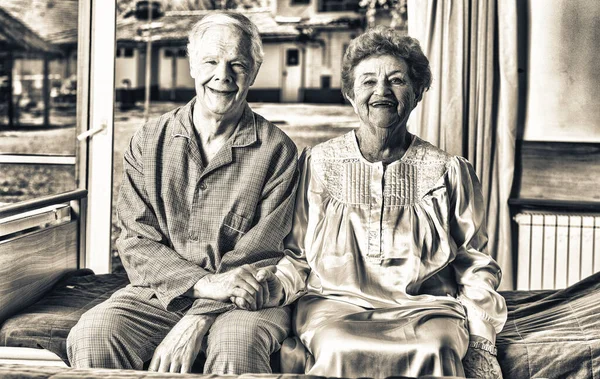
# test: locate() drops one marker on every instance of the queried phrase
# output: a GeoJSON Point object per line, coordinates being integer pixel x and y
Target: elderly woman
{"type": "Point", "coordinates": [389, 237]}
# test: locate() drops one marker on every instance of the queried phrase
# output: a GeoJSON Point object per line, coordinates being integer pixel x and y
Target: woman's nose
{"type": "Point", "coordinates": [382, 88]}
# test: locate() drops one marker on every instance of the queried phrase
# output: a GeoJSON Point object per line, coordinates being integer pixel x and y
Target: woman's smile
{"type": "Point", "coordinates": [386, 104]}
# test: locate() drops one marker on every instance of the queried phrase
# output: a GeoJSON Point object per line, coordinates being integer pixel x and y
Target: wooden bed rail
{"type": "Point", "coordinates": [39, 243]}
{"type": "Point", "coordinates": [33, 204]}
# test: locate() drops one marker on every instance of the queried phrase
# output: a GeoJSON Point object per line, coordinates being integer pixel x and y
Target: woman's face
{"type": "Point", "coordinates": [384, 95]}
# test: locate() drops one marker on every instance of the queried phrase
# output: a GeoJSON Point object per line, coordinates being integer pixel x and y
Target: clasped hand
{"type": "Point", "coordinates": [246, 287]}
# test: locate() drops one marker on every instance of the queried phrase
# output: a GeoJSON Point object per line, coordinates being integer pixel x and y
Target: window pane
{"type": "Point", "coordinates": [54, 141]}
{"type": "Point", "coordinates": [38, 93]}
{"type": "Point", "coordinates": [20, 182]}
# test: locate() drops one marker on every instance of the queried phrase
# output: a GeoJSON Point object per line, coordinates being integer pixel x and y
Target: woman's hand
{"type": "Point", "coordinates": [239, 283]}
{"type": "Point", "coordinates": [479, 363]}
{"type": "Point", "coordinates": [178, 351]}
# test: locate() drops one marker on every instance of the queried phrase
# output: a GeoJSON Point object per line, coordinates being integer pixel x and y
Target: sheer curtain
{"type": "Point", "coordinates": [472, 106]}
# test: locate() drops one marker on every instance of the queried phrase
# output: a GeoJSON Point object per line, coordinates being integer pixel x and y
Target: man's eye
{"type": "Point", "coordinates": [211, 61]}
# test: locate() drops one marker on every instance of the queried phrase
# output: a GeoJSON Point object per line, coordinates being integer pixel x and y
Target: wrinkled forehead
{"type": "Point", "coordinates": [381, 64]}
{"type": "Point", "coordinates": [225, 38]}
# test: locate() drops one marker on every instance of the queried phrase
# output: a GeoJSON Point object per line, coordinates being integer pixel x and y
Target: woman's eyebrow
{"type": "Point", "coordinates": [401, 72]}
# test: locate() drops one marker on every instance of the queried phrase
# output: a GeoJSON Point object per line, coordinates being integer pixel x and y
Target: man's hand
{"type": "Point", "coordinates": [481, 364]}
{"type": "Point", "coordinates": [178, 351]}
{"type": "Point", "coordinates": [272, 290]}
{"type": "Point", "coordinates": [240, 284]}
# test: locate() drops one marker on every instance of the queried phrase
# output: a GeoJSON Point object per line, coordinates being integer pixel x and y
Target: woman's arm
{"type": "Point", "coordinates": [477, 273]}
{"type": "Point", "coordinates": [480, 360]}
{"type": "Point", "coordinates": [293, 269]}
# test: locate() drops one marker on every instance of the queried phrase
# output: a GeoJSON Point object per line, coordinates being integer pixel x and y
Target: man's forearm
{"type": "Point", "coordinates": [202, 322]}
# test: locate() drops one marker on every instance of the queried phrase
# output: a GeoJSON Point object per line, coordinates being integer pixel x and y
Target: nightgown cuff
{"type": "Point", "coordinates": [481, 328]}
{"type": "Point", "coordinates": [290, 293]}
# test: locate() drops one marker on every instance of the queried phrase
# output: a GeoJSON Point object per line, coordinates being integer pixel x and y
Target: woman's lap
{"type": "Point", "coordinates": [350, 341]}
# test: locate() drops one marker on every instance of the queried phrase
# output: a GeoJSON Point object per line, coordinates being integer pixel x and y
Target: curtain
{"type": "Point", "coordinates": [472, 106]}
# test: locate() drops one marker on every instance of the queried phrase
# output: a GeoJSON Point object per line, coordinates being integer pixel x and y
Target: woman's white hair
{"type": "Point", "coordinates": [226, 18]}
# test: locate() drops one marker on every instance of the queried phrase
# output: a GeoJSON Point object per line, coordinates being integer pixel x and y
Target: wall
{"type": "Point", "coordinates": [328, 62]}
{"type": "Point", "coordinates": [165, 80]}
{"type": "Point", "coordinates": [165, 66]}
{"type": "Point", "coordinates": [269, 75]}
{"type": "Point", "coordinates": [563, 93]}
{"type": "Point", "coordinates": [184, 79]}
{"type": "Point", "coordinates": [126, 68]}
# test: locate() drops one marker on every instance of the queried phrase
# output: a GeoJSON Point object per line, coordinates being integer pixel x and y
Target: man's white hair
{"type": "Point", "coordinates": [226, 18]}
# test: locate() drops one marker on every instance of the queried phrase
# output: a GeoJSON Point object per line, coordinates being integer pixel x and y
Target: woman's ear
{"type": "Point", "coordinates": [418, 97]}
{"type": "Point", "coordinates": [351, 102]}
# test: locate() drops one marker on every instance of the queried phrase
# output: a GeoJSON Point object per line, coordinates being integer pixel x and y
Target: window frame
{"type": "Point", "coordinates": [96, 154]}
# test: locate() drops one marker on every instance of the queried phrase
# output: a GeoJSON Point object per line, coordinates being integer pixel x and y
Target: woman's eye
{"type": "Point", "coordinates": [369, 82]}
{"type": "Point", "coordinates": [212, 62]}
{"type": "Point", "coordinates": [397, 81]}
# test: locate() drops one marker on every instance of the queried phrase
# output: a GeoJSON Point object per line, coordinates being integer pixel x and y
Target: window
{"type": "Point", "coordinates": [300, 2]}
{"type": "Point", "coordinates": [338, 5]}
{"type": "Point", "coordinates": [292, 57]}
{"type": "Point", "coordinates": [182, 53]}
{"type": "Point", "coordinates": [168, 53]}
{"type": "Point", "coordinates": [128, 52]}
{"type": "Point", "coordinates": [118, 53]}
{"type": "Point", "coordinates": [325, 81]}
{"type": "Point", "coordinates": [56, 114]}
{"type": "Point", "coordinates": [38, 102]}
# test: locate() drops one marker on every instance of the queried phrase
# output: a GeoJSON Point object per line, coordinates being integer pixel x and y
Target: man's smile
{"type": "Point", "coordinates": [222, 92]}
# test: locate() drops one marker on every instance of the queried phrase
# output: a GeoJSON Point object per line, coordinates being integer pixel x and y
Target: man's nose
{"type": "Point", "coordinates": [223, 72]}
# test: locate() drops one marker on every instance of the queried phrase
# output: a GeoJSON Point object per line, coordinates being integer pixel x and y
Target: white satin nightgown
{"type": "Point", "coordinates": [392, 262]}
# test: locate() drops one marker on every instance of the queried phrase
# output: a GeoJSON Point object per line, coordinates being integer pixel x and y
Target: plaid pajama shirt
{"type": "Point", "coordinates": [182, 220]}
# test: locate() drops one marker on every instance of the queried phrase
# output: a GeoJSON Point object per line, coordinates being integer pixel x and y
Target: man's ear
{"type": "Point", "coordinates": [192, 67]}
{"type": "Point", "coordinates": [255, 73]}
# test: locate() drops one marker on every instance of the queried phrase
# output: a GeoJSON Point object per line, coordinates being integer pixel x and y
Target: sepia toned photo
{"type": "Point", "coordinates": [316, 188]}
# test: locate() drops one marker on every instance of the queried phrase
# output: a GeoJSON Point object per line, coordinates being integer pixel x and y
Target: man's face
{"type": "Point", "coordinates": [223, 70]}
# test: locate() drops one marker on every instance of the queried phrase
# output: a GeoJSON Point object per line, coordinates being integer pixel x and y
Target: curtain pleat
{"type": "Point", "coordinates": [471, 108]}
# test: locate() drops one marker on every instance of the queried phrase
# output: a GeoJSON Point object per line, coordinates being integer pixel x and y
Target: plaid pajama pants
{"type": "Point", "coordinates": [124, 331]}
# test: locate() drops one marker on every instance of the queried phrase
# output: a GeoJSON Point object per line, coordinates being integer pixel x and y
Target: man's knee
{"type": "Point", "coordinates": [97, 341]}
{"type": "Point", "coordinates": [243, 343]}
{"type": "Point", "coordinates": [233, 350]}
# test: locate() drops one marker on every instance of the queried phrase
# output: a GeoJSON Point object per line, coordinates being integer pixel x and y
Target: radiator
{"type": "Point", "coordinates": [556, 250]}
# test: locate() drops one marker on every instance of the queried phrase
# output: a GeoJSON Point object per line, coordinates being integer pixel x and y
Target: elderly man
{"type": "Point", "coordinates": [206, 201]}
